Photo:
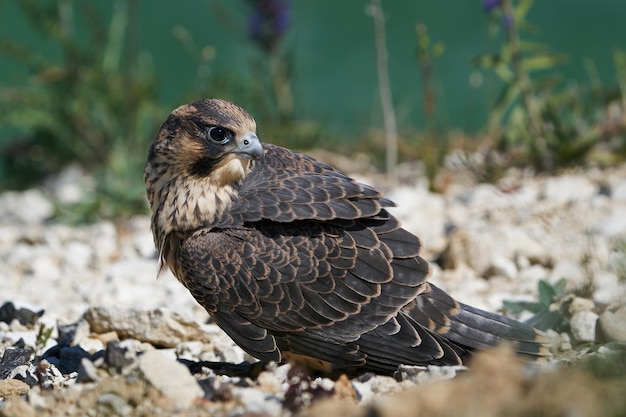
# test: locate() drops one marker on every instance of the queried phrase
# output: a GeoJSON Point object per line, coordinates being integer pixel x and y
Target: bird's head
{"type": "Point", "coordinates": [209, 138]}
{"type": "Point", "coordinates": [200, 155]}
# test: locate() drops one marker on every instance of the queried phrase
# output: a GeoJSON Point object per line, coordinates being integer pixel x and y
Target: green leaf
{"type": "Point", "coordinates": [546, 293]}
{"type": "Point", "coordinates": [546, 319]}
{"type": "Point", "coordinates": [542, 62]}
{"type": "Point", "coordinates": [559, 286]}
{"type": "Point", "coordinates": [517, 307]}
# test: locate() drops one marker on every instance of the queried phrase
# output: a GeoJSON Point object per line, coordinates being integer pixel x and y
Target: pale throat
{"type": "Point", "coordinates": [187, 203]}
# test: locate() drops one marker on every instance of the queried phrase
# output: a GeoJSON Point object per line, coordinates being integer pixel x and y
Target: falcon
{"type": "Point", "coordinates": [295, 260]}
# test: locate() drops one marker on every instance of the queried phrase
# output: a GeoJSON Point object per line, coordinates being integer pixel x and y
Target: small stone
{"type": "Point", "coordinates": [501, 266]}
{"type": "Point", "coordinates": [583, 326]}
{"type": "Point", "coordinates": [67, 359]}
{"type": "Point", "coordinates": [113, 404]}
{"type": "Point", "coordinates": [619, 192]}
{"type": "Point", "coordinates": [117, 356]}
{"type": "Point", "coordinates": [608, 289]}
{"type": "Point", "coordinates": [144, 245]}
{"type": "Point", "coordinates": [380, 384]}
{"type": "Point", "coordinates": [26, 207]}
{"type": "Point", "coordinates": [613, 323]}
{"type": "Point", "coordinates": [45, 268]}
{"type": "Point", "coordinates": [572, 272]}
{"type": "Point", "coordinates": [12, 388]}
{"type": "Point", "coordinates": [72, 334]}
{"type": "Point", "coordinates": [13, 358]}
{"type": "Point", "coordinates": [431, 373]}
{"type": "Point", "coordinates": [614, 224]}
{"type": "Point", "coordinates": [92, 345]}
{"type": "Point", "coordinates": [77, 256]}
{"type": "Point", "coordinates": [104, 242]}
{"type": "Point", "coordinates": [171, 378]}
{"type": "Point", "coordinates": [8, 313]}
{"type": "Point", "coordinates": [256, 402]}
{"type": "Point", "coordinates": [268, 382]}
{"type": "Point", "coordinates": [24, 373]}
{"type": "Point", "coordinates": [159, 327]}
{"type": "Point", "coordinates": [566, 188]}
{"type": "Point", "coordinates": [17, 407]}
{"type": "Point", "coordinates": [579, 304]}
{"type": "Point", "coordinates": [87, 372]}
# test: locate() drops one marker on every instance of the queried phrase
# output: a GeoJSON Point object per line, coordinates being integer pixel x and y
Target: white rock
{"type": "Point", "coordinates": [572, 272]}
{"type": "Point", "coordinates": [531, 276]}
{"type": "Point", "coordinates": [579, 304]}
{"type": "Point", "coordinates": [618, 193]}
{"type": "Point", "coordinates": [487, 197]}
{"type": "Point", "coordinates": [422, 213]}
{"type": "Point", "coordinates": [104, 241]}
{"type": "Point", "coordinates": [78, 256]}
{"type": "Point", "coordinates": [608, 288]}
{"type": "Point", "coordinates": [614, 224]}
{"type": "Point", "coordinates": [569, 187]}
{"type": "Point", "coordinates": [501, 266]}
{"type": "Point", "coordinates": [613, 322]}
{"type": "Point", "coordinates": [583, 326]}
{"type": "Point", "coordinates": [71, 185]}
{"type": "Point", "coordinates": [160, 327]}
{"type": "Point", "coordinates": [256, 402]}
{"type": "Point", "coordinates": [269, 382]}
{"type": "Point", "coordinates": [26, 207]}
{"type": "Point", "coordinates": [171, 378]}
{"type": "Point", "coordinates": [144, 244]}
{"type": "Point", "coordinates": [45, 268]}
{"type": "Point", "coordinates": [380, 384]}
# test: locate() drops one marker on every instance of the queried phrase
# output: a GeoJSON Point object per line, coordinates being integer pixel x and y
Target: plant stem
{"type": "Point", "coordinates": [536, 126]}
{"type": "Point", "coordinates": [384, 89]}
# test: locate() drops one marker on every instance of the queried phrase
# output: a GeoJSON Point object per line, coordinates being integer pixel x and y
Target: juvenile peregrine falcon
{"type": "Point", "coordinates": [295, 260]}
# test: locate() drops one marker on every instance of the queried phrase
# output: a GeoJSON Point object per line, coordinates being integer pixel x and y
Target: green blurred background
{"type": "Point", "coordinates": [90, 82]}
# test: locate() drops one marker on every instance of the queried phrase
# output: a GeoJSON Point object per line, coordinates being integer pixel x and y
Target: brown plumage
{"type": "Point", "coordinates": [295, 260]}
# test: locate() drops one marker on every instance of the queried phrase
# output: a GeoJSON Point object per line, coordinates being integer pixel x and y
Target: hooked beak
{"type": "Point", "coordinates": [249, 147]}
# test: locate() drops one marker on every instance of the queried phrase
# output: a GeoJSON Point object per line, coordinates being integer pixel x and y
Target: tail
{"type": "Point", "coordinates": [473, 328]}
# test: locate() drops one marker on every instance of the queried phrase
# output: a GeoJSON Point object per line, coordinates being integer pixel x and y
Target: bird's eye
{"type": "Point", "coordinates": [219, 134]}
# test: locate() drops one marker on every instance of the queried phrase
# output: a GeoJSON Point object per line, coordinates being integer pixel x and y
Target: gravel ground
{"type": "Point", "coordinates": [121, 338]}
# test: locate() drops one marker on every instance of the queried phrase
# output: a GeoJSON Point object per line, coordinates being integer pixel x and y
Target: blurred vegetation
{"type": "Point", "coordinates": [95, 105]}
{"type": "Point", "coordinates": [549, 312]}
{"type": "Point", "coordinates": [96, 102]}
{"type": "Point", "coordinates": [536, 121]}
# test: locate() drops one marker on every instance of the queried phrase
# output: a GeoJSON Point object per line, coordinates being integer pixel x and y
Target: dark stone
{"type": "Point", "coordinates": [117, 356]}
{"type": "Point", "coordinates": [66, 359]}
{"type": "Point", "coordinates": [26, 317]}
{"type": "Point", "coordinates": [13, 358]}
{"type": "Point", "coordinates": [87, 372]}
{"type": "Point", "coordinates": [208, 387]}
{"type": "Point", "coordinates": [66, 334]}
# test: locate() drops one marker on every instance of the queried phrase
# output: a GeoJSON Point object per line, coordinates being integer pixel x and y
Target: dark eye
{"type": "Point", "coordinates": [219, 134]}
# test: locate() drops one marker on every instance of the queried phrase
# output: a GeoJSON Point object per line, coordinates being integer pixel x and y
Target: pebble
{"type": "Point", "coordinates": [26, 207]}
{"type": "Point", "coordinates": [583, 325]}
{"type": "Point", "coordinates": [87, 371]}
{"type": "Point", "coordinates": [171, 378]}
{"type": "Point", "coordinates": [608, 288]}
{"type": "Point", "coordinates": [112, 404]}
{"type": "Point", "coordinates": [567, 188]}
{"type": "Point", "coordinates": [160, 327]}
{"type": "Point", "coordinates": [12, 388]}
{"type": "Point", "coordinates": [613, 322]}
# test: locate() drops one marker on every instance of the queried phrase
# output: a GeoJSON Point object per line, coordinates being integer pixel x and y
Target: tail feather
{"type": "Point", "coordinates": [474, 328]}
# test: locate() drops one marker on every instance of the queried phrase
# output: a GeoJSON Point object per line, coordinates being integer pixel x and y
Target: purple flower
{"type": "Point", "coordinates": [507, 20]}
{"type": "Point", "coordinates": [268, 21]}
{"type": "Point", "coordinates": [489, 5]}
